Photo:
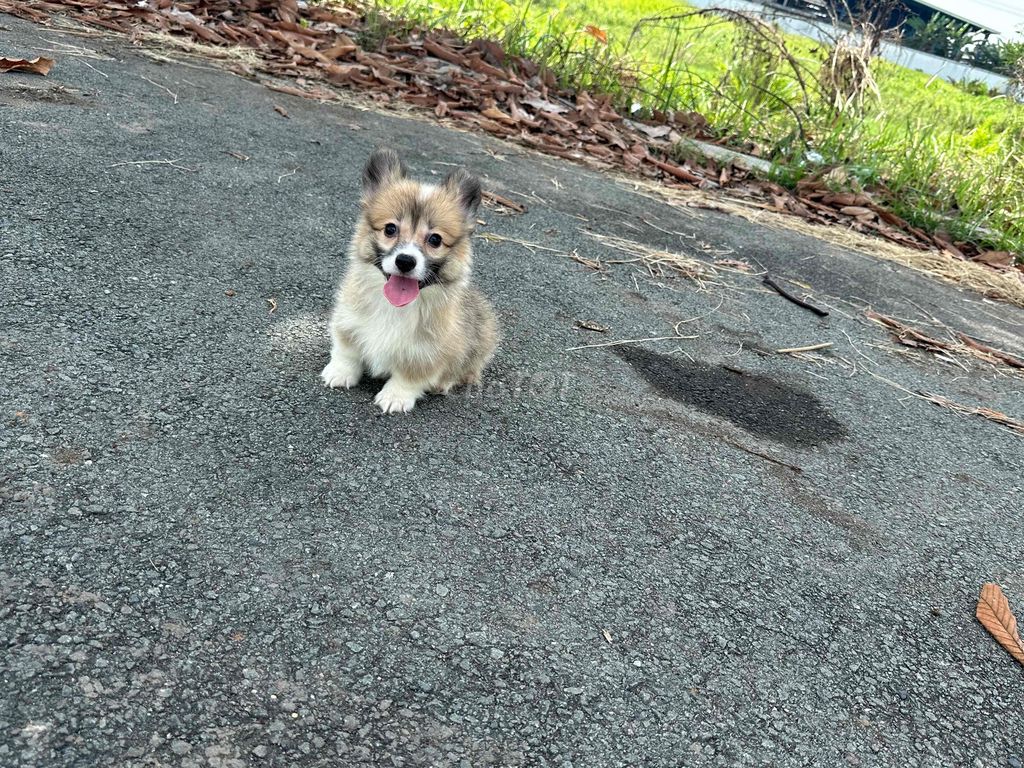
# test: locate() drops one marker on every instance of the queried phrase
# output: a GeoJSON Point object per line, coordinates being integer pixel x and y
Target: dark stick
{"type": "Point", "coordinates": [765, 456]}
{"type": "Point", "coordinates": [799, 302]}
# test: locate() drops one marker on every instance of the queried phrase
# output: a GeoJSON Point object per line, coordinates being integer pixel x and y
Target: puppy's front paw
{"type": "Point", "coordinates": [396, 398]}
{"type": "Point", "coordinates": [341, 373]}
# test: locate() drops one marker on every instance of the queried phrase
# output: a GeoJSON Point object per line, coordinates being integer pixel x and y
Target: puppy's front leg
{"type": "Point", "coordinates": [346, 366]}
{"type": "Point", "coordinates": [399, 394]}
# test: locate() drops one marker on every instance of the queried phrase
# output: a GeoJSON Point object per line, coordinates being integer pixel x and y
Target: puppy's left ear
{"type": "Point", "coordinates": [466, 189]}
{"type": "Point", "coordinates": [383, 168]}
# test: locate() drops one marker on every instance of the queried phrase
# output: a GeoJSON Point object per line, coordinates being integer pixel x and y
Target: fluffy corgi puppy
{"type": "Point", "coordinates": [406, 310]}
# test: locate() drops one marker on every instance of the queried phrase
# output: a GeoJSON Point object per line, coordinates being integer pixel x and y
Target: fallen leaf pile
{"type": "Point", "coordinates": [994, 614]}
{"type": "Point", "coordinates": [479, 85]}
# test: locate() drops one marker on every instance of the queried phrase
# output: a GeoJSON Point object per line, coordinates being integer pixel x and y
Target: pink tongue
{"type": "Point", "coordinates": [401, 290]}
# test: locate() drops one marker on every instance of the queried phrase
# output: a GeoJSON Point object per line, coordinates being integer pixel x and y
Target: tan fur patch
{"type": "Point", "coordinates": [417, 213]}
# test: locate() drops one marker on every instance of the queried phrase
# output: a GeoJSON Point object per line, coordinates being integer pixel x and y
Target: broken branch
{"type": "Point", "coordinates": [787, 295]}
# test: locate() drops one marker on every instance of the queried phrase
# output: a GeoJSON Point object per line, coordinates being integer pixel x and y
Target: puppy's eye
{"type": "Point", "coordinates": [434, 241]}
{"type": "Point", "coordinates": [390, 230]}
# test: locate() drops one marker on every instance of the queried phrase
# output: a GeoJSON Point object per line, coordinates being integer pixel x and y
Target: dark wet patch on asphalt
{"type": "Point", "coordinates": [758, 404]}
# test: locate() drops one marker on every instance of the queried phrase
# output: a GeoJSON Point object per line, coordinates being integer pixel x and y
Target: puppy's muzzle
{"type": "Point", "coordinates": [405, 262]}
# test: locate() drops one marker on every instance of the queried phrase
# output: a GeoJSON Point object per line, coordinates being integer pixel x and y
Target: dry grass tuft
{"type": "Point", "coordinates": [163, 41]}
{"type": "Point", "coordinates": [845, 77]}
{"type": "Point", "coordinates": [1007, 286]}
{"type": "Point", "coordinates": [657, 262]}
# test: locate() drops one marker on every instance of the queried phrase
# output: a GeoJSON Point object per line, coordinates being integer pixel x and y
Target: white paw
{"type": "Point", "coordinates": [394, 398]}
{"type": "Point", "coordinates": [341, 373]}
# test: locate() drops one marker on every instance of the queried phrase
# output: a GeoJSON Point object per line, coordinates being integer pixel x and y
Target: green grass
{"type": "Point", "coordinates": [948, 158]}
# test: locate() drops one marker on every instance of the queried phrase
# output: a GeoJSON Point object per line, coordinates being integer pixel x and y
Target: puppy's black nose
{"type": "Point", "coordinates": [405, 262]}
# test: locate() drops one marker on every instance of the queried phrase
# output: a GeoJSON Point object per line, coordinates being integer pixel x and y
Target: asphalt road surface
{"type": "Point", "coordinates": [689, 552]}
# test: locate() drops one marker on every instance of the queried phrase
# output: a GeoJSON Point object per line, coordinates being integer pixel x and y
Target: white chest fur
{"type": "Point", "coordinates": [389, 337]}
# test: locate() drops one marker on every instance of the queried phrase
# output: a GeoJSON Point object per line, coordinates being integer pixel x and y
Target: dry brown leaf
{"type": "Point", "coordinates": [675, 170]}
{"type": "Point", "coordinates": [444, 53]}
{"type": "Point", "coordinates": [633, 157]}
{"type": "Point", "coordinates": [281, 111]}
{"type": "Point", "coordinates": [601, 151]}
{"type": "Point", "coordinates": [654, 131]}
{"type": "Point", "coordinates": [317, 93]}
{"type": "Point", "coordinates": [476, 62]}
{"type": "Point", "coordinates": [856, 210]}
{"type": "Point", "coordinates": [492, 51]}
{"type": "Point", "coordinates": [597, 33]}
{"type": "Point", "coordinates": [422, 99]}
{"type": "Point", "coordinates": [40, 65]}
{"type": "Point", "coordinates": [589, 325]}
{"type": "Point", "coordinates": [610, 135]}
{"type": "Point", "coordinates": [1000, 259]}
{"type": "Point", "coordinates": [543, 105]}
{"type": "Point", "coordinates": [843, 199]}
{"type": "Point", "coordinates": [995, 615]}
{"type": "Point", "coordinates": [496, 114]}
{"type": "Point", "coordinates": [343, 46]}
{"type": "Point", "coordinates": [344, 72]}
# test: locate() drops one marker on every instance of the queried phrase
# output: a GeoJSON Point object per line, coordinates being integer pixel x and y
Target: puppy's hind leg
{"type": "Point", "coordinates": [346, 366]}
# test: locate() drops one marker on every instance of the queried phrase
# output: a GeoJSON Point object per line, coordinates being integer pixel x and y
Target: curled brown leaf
{"type": "Point", "coordinates": [40, 65]}
{"type": "Point", "coordinates": [995, 615]}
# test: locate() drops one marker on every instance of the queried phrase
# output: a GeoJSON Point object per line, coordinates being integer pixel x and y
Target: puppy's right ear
{"type": "Point", "coordinates": [384, 167]}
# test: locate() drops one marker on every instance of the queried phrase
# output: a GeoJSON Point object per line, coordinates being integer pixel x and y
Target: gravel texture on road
{"type": "Point", "coordinates": [689, 552]}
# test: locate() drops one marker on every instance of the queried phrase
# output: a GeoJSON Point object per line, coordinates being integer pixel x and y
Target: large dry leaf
{"type": "Point", "coordinates": [40, 65]}
{"type": "Point", "coordinates": [843, 199]}
{"type": "Point", "coordinates": [343, 46]}
{"type": "Point", "coordinates": [995, 615]}
{"type": "Point", "coordinates": [654, 131]}
{"type": "Point", "coordinates": [1000, 259]}
{"type": "Point", "coordinates": [543, 105]}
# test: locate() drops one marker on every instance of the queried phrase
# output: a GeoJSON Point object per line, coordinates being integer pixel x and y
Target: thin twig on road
{"type": "Point", "coordinates": [808, 348]}
{"type": "Point", "coordinates": [173, 94]}
{"type": "Point", "coordinates": [172, 163]}
{"type": "Point", "coordinates": [630, 341]}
